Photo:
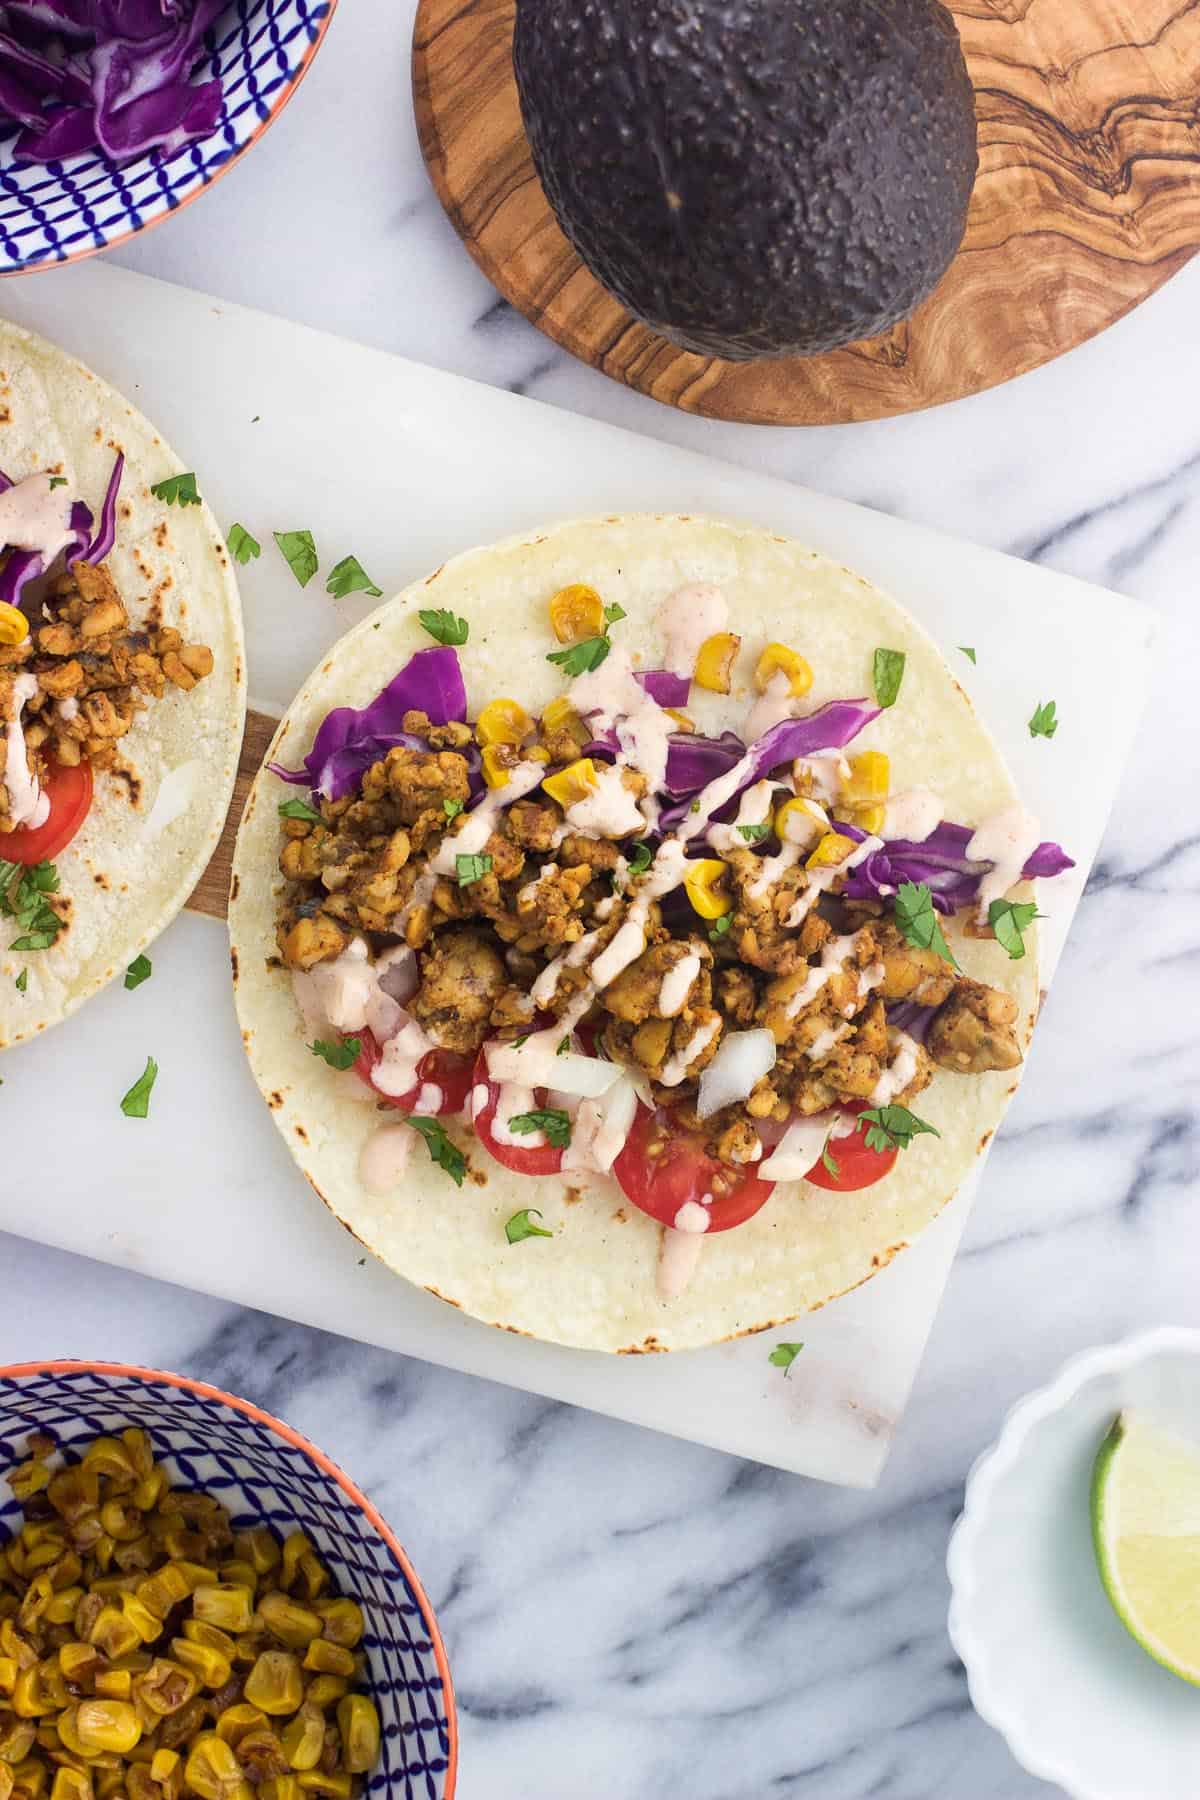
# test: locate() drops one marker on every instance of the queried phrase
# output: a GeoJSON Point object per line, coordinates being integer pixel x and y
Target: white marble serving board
{"type": "Point", "coordinates": [404, 465]}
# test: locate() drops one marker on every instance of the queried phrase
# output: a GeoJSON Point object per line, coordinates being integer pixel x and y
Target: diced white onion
{"type": "Point", "coordinates": [742, 1058]}
{"type": "Point", "coordinates": [797, 1150]}
{"type": "Point", "coordinates": [536, 1063]}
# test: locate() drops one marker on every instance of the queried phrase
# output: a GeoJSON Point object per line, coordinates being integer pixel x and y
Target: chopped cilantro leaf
{"type": "Point", "coordinates": [242, 547]}
{"type": "Point", "coordinates": [349, 577]}
{"type": "Point", "coordinates": [1044, 722]}
{"type": "Point", "coordinates": [968, 652]}
{"type": "Point", "coordinates": [889, 673]}
{"type": "Point", "coordinates": [784, 1355]}
{"type": "Point", "coordinates": [139, 970]}
{"type": "Point", "coordinates": [520, 1226]}
{"type": "Point", "coordinates": [613, 613]}
{"type": "Point", "coordinates": [452, 808]}
{"type": "Point", "coordinates": [564, 1044]}
{"type": "Point", "coordinates": [1009, 919]}
{"type": "Point", "coordinates": [57, 481]}
{"type": "Point", "coordinates": [918, 923]}
{"type": "Point", "coordinates": [177, 490]}
{"type": "Point", "coordinates": [831, 1162]}
{"type": "Point", "coordinates": [444, 627]}
{"type": "Point", "coordinates": [548, 1119]}
{"type": "Point", "coordinates": [581, 658]}
{"type": "Point", "coordinates": [136, 1104]}
{"type": "Point", "coordinates": [721, 927]}
{"type": "Point", "coordinates": [442, 1150]}
{"type": "Point", "coordinates": [300, 554]}
{"type": "Point", "coordinates": [22, 981]}
{"type": "Point", "coordinates": [22, 897]}
{"type": "Point", "coordinates": [471, 868]}
{"type": "Point", "coordinates": [640, 860]}
{"type": "Point", "coordinates": [753, 833]}
{"type": "Point", "coordinates": [299, 809]}
{"type": "Point", "coordinates": [893, 1127]}
{"type": "Point", "coordinates": [340, 1055]}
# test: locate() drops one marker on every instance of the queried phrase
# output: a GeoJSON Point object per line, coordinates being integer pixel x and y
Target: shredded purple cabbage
{"type": "Point", "coordinates": [21, 567]}
{"type": "Point", "coordinates": [115, 73]}
{"type": "Point", "coordinates": [909, 1017]}
{"type": "Point", "coordinates": [941, 862]}
{"type": "Point", "coordinates": [350, 739]}
{"type": "Point", "coordinates": [693, 761]}
{"type": "Point", "coordinates": [664, 687]}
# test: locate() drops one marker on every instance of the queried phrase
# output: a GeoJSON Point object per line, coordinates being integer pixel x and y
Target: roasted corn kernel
{"type": "Point", "coordinates": [568, 786]}
{"type": "Point", "coordinates": [163, 1590]}
{"type": "Point", "coordinates": [832, 849]}
{"type": "Point", "coordinates": [281, 1787]}
{"type": "Point", "coordinates": [293, 1624]}
{"type": "Point", "coordinates": [212, 1768]}
{"type": "Point", "coordinates": [704, 885]}
{"type": "Point", "coordinates": [503, 722]}
{"type": "Point", "coordinates": [575, 612]}
{"type": "Point", "coordinates": [113, 1684]}
{"type": "Point", "coordinates": [326, 1658]}
{"type": "Point", "coordinates": [236, 1721]}
{"type": "Point", "coordinates": [869, 818]}
{"type": "Point", "coordinates": [107, 1725]}
{"type": "Point", "coordinates": [304, 1738]}
{"type": "Point", "coordinates": [259, 1548]}
{"type": "Point", "coordinates": [799, 821]}
{"type": "Point", "coordinates": [71, 1784]}
{"type": "Point", "coordinates": [13, 625]}
{"type": "Point", "coordinates": [164, 1765]}
{"type": "Point", "coordinates": [316, 1781]}
{"type": "Point", "coordinates": [341, 1621]}
{"type": "Point", "coordinates": [715, 660]}
{"type": "Point", "coordinates": [327, 1690]}
{"type": "Point", "coordinates": [211, 1669]}
{"type": "Point", "coordinates": [496, 762]}
{"type": "Point", "coordinates": [870, 774]}
{"type": "Point", "coordinates": [229, 1606]}
{"type": "Point", "coordinates": [358, 1722]}
{"type": "Point", "coordinates": [275, 1683]}
{"type": "Point", "coordinates": [778, 659]}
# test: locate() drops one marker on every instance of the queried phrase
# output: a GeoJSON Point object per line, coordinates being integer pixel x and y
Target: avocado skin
{"type": "Point", "coordinates": [753, 178]}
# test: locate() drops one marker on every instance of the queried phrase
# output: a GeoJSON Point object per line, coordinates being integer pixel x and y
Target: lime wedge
{"type": "Point", "coordinates": [1146, 1530]}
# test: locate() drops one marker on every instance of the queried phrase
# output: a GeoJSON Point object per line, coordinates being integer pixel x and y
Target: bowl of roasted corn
{"type": "Point", "coordinates": [195, 1601]}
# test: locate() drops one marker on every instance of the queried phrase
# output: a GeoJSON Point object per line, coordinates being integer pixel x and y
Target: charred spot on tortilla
{"type": "Point", "coordinates": [233, 960]}
{"type": "Point", "coordinates": [301, 1134]}
{"type": "Point", "coordinates": [275, 1100]}
{"type": "Point", "coordinates": [446, 1299]}
{"type": "Point", "coordinates": [100, 879]}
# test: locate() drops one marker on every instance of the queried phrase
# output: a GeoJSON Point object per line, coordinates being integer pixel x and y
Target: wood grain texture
{"type": "Point", "coordinates": [1088, 198]}
{"type": "Point", "coordinates": [211, 893]}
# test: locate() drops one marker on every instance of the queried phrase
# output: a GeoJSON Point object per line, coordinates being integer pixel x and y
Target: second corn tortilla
{"type": "Point", "coordinates": [592, 1284]}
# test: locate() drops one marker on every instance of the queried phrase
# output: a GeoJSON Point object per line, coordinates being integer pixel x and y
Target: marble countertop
{"type": "Point", "coordinates": [628, 1616]}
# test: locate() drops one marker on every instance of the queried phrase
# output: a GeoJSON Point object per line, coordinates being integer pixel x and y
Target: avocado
{"type": "Point", "coordinates": [753, 178]}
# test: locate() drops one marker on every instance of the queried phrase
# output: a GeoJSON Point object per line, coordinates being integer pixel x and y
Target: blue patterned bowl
{"type": "Point", "coordinates": [263, 1471]}
{"type": "Point", "coordinates": [61, 211]}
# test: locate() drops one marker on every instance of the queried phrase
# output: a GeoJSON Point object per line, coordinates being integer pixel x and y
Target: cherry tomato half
{"type": "Point", "coordinates": [538, 1159]}
{"type": "Point", "coordinates": [857, 1165]}
{"type": "Point", "coordinates": [442, 1069]}
{"type": "Point", "coordinates": [662, 1167]}
{"type": "Point", "coordinates": [69, 791]}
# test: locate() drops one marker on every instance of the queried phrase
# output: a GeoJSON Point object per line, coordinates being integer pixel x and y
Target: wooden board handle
{"type": "Point", "coordinates": [211, 893]}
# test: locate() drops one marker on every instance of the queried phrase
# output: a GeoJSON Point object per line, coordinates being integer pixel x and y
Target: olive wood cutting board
{"type": "Point", "coordinates": [211, 893]}
{"type": "Point", "coordinates": [1088, 198]}
{"type": "Point", "coordinates": [202, 1192]}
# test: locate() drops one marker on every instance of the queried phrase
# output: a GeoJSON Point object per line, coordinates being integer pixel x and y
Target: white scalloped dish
{"type": "Point", "coordinates": [1048, 1662]}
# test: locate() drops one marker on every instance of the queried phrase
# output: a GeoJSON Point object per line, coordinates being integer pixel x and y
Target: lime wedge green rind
{"type": "Point", "coordinates": [1145, 1512]}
